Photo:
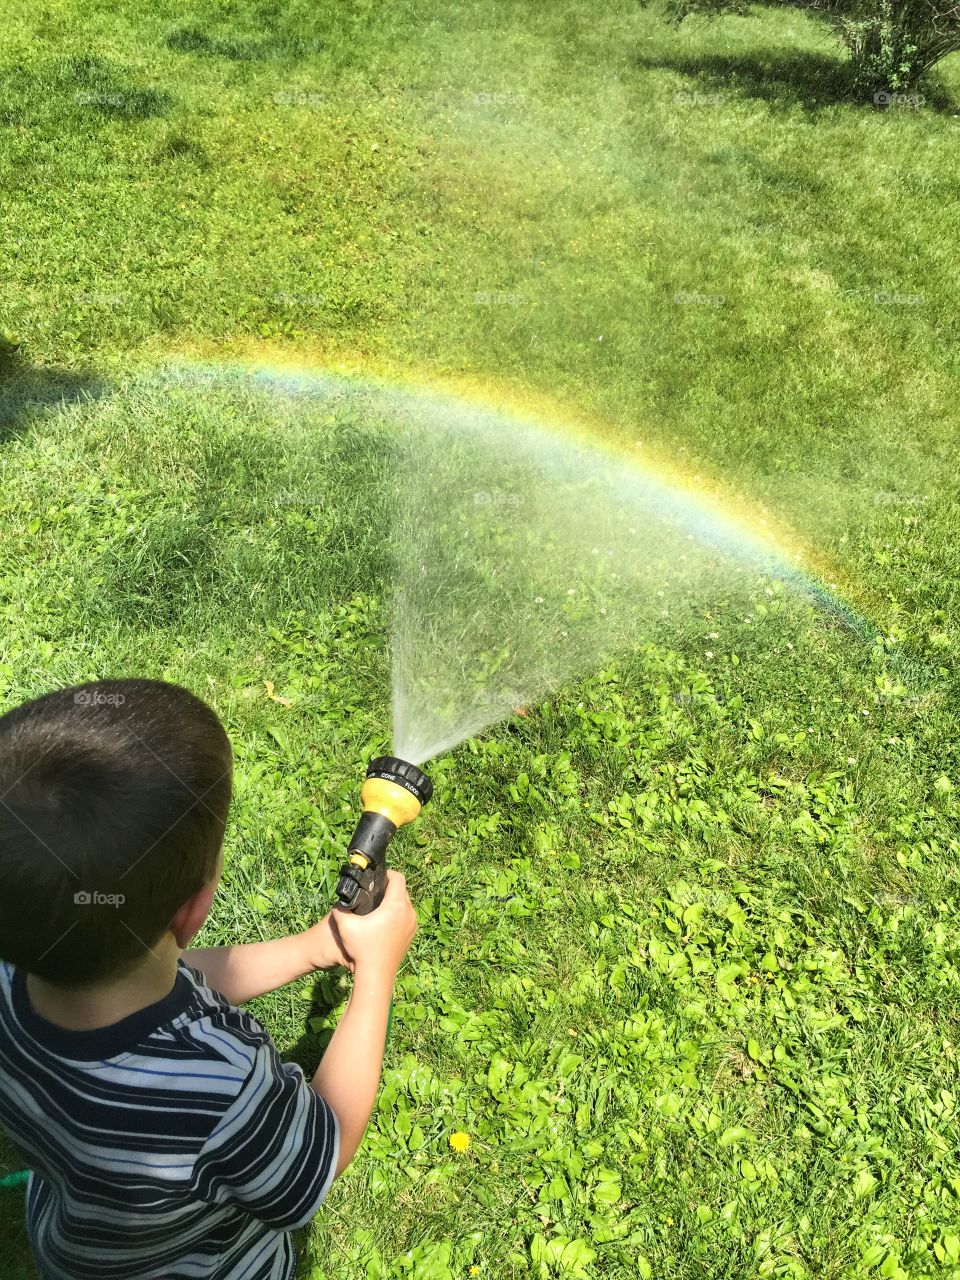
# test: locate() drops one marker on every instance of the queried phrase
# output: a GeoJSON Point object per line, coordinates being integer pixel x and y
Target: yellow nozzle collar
{"type": "Point", "coordinates": [390, 799]}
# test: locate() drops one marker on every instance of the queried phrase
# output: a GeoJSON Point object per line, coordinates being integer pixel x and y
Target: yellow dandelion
{"type": "Point", "coordinates": [460, 1142]}
{"type": "Point", "coordinates": [474, 1271]}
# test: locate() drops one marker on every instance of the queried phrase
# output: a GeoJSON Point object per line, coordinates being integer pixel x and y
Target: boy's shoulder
{"type": "Point", "coordinates": [214, 1027]}
{"type": "Point", "coordinates": [194, 1024]}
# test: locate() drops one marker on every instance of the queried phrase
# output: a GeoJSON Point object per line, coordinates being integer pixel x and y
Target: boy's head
{"type": "Point", "coordinates": [113, 805]}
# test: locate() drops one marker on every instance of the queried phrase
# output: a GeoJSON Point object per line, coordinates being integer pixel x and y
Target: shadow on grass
{"type": "Point", "coordinates": [197, 41]}
{"type": "Point", "coordinates": [16, 1261]}
{"type": "Point", "coordinates": [798, 78]}
{"type": "Point", "coordinates": [27, 390]}
{"type": "Point", "coordinates": [329, 990]}
{"type": "Point", "coordinates": [104, 88]}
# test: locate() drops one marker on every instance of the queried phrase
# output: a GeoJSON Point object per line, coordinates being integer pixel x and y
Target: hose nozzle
{"type": "Point", "coordinates": [393, 794]}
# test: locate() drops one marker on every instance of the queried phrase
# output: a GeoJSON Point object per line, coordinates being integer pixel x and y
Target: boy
{"type": "Point", "coordinates": [166, 1139]}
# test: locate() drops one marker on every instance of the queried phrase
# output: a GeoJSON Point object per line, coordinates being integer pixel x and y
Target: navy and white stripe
{"type": "Point", "coordinates": [174, 1145]}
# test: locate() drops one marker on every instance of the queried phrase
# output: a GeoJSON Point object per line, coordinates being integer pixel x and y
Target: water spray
{"type": "Point", "coordinates": [392, 795]}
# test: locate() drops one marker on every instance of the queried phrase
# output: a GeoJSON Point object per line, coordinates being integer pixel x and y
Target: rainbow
{"type": "Point", "coordinates": [705, 503]}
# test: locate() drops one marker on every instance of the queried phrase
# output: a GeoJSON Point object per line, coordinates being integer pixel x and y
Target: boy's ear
{"type": "Point", "coordinates": [188, 921]}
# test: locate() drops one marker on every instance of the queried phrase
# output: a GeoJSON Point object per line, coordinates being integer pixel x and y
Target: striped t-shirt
{"type": "Point", "coordinates": [174, 1145]}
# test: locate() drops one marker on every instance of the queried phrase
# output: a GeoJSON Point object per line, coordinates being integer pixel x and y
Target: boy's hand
{"type": "Point", "coordinates": [322, 946]}
{"type": "Point", "coordinates": [377, 943]}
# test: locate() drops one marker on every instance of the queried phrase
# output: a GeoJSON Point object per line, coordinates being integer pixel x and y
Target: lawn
{"type": "Point", "coordinates": [688, 971]}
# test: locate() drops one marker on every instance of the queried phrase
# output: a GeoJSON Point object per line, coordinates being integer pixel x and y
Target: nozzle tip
{"type": "Point", "coordinates": [404, 774]}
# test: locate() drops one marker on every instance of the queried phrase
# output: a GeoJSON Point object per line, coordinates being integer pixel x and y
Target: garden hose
{"type": "Point", "coordinates": [392, 795]}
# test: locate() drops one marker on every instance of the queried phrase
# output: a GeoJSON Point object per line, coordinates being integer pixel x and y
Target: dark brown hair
{"type": "Point", "coordinates": [113, 805]}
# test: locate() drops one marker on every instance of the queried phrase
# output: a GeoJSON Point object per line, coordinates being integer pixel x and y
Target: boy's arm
{"type": "Point", "coordinates": [349, 1073]}
{"type": "Point", "coordinates": [242, 972]}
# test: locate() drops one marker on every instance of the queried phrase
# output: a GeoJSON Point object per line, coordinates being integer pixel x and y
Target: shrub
{"type": "Point", "coordinates": [892, 43]}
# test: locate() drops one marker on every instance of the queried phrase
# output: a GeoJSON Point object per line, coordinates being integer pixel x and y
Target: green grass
{"type": "Point", "coordinates": [689, 962]}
